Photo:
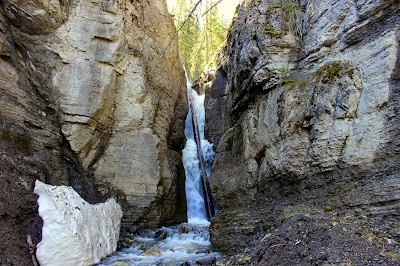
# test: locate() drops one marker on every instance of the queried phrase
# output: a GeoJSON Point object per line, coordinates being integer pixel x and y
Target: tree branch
{"type": "Point", "coordinates": [214, 5]}
{"type": "Point", "coordinates": [183, 24]}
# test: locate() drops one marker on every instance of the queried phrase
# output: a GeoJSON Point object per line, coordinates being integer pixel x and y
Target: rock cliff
{"type": "Point", "coordinates": [303, 108]}
{"type": "Point", "coordinates": [93, 96]}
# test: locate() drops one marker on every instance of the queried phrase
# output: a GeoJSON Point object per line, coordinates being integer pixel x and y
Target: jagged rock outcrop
{"type": "Point", "coordinates": [74, 231]}
{"type": "Point", "coordinates": [304, 115]}
{"type": "Point", "coordinates": [91, 97]}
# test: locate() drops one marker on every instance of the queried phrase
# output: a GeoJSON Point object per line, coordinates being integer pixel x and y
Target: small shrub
{"type": "Point", "coordinates": [327, 73]}
{"type": "Point", "coordinates": [244, 260]}
{"type": "Point", "coordinates": [393, 255]}
{"type": "Point", "coordinates": [283, 72]}
{"type": "Point", "coordinates": [275, 6]}
{"type": "Point", "coordinates": [268, 29]}
{"type": "Point", "coordinates": [294, 16]}
{"type": "Point", "coordinates": [286, 81]}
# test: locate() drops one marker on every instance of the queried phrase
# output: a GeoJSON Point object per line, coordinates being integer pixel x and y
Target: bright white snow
{"type": "Point", "coordinates": [75, 232]}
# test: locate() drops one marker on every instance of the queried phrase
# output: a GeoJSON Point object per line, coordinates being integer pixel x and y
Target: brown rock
{"type": "Point", "coordinates": [87, 100]}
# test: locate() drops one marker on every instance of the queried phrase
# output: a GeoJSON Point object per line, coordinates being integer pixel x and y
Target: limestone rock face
{"type": "Point", "coordinates": [93, 97]}
{"type": "Point", "coordinates": [118, 102]}
{"type": "Point", "coordinates": [74, 231]}
{"type": "Point", "coordinates": [308, 117]}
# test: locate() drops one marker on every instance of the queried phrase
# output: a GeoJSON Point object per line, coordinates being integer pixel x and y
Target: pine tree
{"type": "Point", "coordinates": [192, 37]}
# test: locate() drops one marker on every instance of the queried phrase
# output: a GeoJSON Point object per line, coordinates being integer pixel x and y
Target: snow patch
{"type": "Point", "coordinates": [75, 232]}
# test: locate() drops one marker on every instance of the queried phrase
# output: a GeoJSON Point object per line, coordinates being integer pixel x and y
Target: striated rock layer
{"type": "Point", "coordinates": [91, 96]}
{"type": "Point", "coordinates": [304, 107]}
{"type": "Point", "coordinates": [74, 231]}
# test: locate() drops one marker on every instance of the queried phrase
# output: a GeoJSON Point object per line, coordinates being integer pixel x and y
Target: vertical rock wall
{"type": "Point", "coordinates": [90, 97]}
{"type": "Point", "coordinates": [308, 116]}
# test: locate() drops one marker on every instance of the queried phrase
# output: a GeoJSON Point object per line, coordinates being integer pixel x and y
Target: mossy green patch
{"type": "Point", "coordinates": [286, 81]}
{"type": "Point", "coordinates": [327, 73]}
{"type": "Point", "coordinates": [268, 29]}
{"type": "Point", "coordinates": [301, 83]}
{"type": "Point", "coordinates": [291, 211]}
{"type": "Point", "coordinates": [292, 83]}
{"type": "Point", "coordinates": [291, 7]}
{"type": "Point", "coordinates": [393, 255]}
{"type": "Point", "coordinates": [350, 73]}
{"type": "Point", "coordinates": [294, 16]}
{"type": "Point", "coordinates": [244, 260]}
{"type": "Point", "coordinates": [274, 6]}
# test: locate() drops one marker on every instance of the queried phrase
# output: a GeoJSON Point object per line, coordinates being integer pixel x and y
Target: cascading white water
{"type": "Point", "coordinates": [184, 243]}
{"type": "Point", "coordinates": [187, 242]}
{"type": "Point", "coordinates": [194, 194]}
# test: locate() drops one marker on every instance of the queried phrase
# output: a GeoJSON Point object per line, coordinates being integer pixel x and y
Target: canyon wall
{"type": "Point", "coordinates": [303, 109]}
{"type": "Point", "coordinates": [93, 96]}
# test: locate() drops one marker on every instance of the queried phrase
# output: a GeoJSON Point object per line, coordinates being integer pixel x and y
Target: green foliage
{"type": "Point", "coordinates": [294, 16]}
{"type": "Point", "coordinates": [328, 208]}
{"type": "Point", "coordinates": [291, 211]}
{"type": "Point", "coordinates": [198, 41]}
{"type": "Point", "coordinates": [277, 4]}
{"type": "Point", "coordinates": [244, 260]}
{"type": "Point", "coordinates": [327, 73]}
{"type": "Point", "coordinates": [187, 36]}
{"type": "Point", "coordinates": [286, 81]}
{"type": "Point", "coordinates": [350, 73]}
{"type": "Point", "coordinates": [393, 255]}
{"type": "Point", "coordinates": [270, 30]}
{"type": "Point", "coordinates": [283, 74]}
{"type": "Point", "coordinates": [274, 6]}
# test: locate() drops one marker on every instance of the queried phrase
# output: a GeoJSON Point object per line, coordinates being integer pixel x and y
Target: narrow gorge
{"type": "Point", "coordinates": [301, 107]}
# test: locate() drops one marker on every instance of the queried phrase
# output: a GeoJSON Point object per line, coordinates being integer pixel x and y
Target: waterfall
{"type": "Point", "coordinates": [186, 243]}
{"type": "Point", "coordinates": [196, 203]}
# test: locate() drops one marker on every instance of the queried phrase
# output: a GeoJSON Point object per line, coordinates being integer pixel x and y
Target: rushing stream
{"type": "Point", "coordinates": [187, 242]}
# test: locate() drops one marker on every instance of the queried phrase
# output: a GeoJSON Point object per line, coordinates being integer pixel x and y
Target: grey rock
{"type": "Point", "coordinates": [311, 120]}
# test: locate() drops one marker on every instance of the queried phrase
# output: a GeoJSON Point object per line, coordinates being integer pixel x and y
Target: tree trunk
{"type": "Point", "coordinates": [208, 201]}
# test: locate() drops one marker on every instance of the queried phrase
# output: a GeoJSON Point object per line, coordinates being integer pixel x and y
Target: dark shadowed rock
{"type": "Point", "coordinates": [161, 235]}
{"type": "Point", "coordinates": [207, 261]}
